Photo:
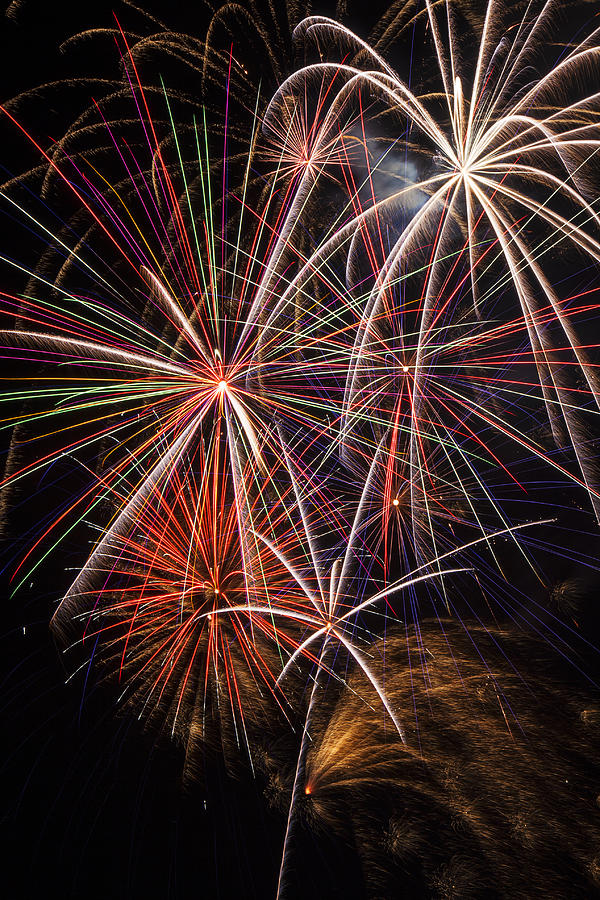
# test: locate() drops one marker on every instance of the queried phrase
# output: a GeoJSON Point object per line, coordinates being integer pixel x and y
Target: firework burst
{"type": "Point", "coordinates": [513, 186]}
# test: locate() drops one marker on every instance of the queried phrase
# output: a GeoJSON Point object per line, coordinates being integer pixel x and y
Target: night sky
{"type": "Point", "coordinates": [95, 805]}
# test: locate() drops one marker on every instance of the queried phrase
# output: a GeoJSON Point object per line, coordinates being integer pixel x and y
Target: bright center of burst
{"type": "Point", "coordinates": [395, 502]}
{"type": "Point", "coordinates": [222, 386]}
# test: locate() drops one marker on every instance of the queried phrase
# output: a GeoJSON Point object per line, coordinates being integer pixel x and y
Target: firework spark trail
{"type": "Point", "coordinates": [298, 782]}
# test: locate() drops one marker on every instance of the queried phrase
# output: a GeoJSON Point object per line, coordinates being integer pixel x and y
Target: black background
{"type": "Point", "coordinates": [91, 806]}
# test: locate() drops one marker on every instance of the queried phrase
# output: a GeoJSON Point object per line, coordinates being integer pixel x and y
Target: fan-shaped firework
{"type": "Point", "coordinates": [451, 771]}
